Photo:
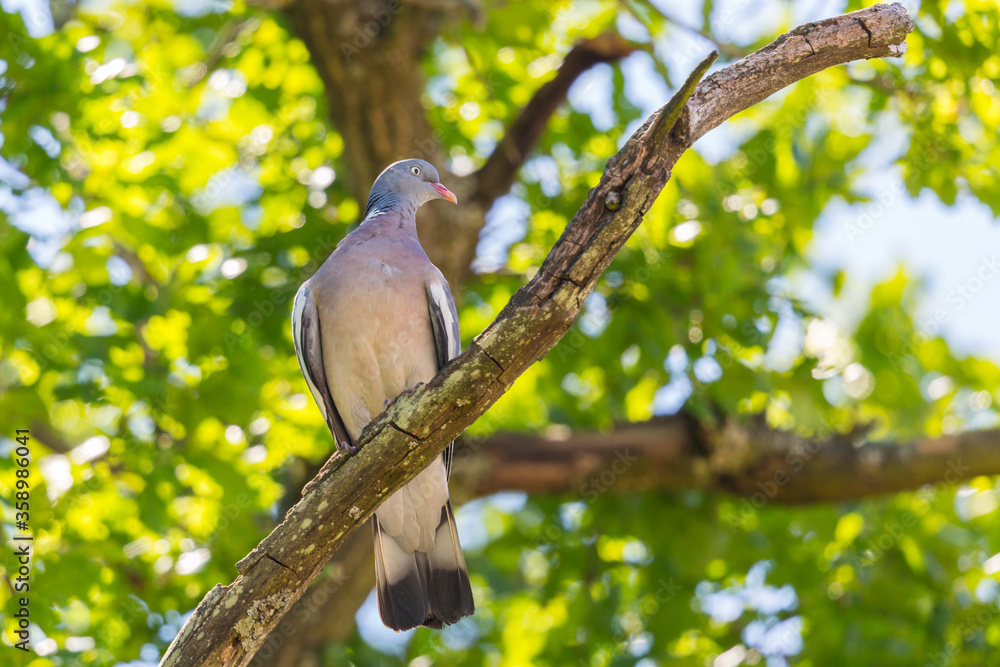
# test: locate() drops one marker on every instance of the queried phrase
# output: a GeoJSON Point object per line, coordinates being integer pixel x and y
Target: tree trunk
{"type": "Point", "coordinates": [369, 55]}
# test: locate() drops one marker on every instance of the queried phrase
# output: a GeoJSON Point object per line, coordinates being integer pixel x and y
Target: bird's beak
{"type": "Point", "coordinates": [445, 193]}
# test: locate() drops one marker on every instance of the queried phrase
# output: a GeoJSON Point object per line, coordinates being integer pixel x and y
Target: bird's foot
{"type": "Point", "coordinates": [347, 449]}
{"type": "Point", "coordinates": [389, 401]}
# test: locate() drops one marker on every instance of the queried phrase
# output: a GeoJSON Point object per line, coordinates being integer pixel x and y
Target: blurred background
{"type": "Point", "coordinates": [825, 263]}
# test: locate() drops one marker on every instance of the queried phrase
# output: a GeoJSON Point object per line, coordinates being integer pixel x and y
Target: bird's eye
{"type": "Point", "coordinates": [415, 171]}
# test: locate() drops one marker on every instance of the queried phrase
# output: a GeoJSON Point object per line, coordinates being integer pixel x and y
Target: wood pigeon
{"type": "Point", "coordinates": [376, 319]}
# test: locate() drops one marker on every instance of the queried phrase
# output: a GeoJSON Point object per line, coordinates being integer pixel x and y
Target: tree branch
{"type": "Point", "coordinates": [232, 621]}
{"type": "Point", "coordinates": [497, 174]}
{"type": "Point", "coordinates": [225, 38]}
{"type": "Point", "coordinates": [326, 612]}
{"type": "Point", "coordinates": [49, 437]}
{"type": "Point", "coordinates": [664, 454]}
{"type": "Point", "coordinates": [452, 245]}
{"type": "Point", "coordinates": [676, 453]}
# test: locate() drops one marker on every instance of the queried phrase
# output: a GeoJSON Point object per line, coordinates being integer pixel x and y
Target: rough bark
{"type": "Point", "coordinates": [325, 613]}
{"type": "Point", "coordinates": [231, 622]}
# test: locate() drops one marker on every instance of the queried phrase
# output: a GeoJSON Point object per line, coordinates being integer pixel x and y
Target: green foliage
{"type": "Point", "coordinates": [193, 159]}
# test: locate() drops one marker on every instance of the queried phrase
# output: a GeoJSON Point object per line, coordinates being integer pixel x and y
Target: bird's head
{"type": "Point", "coordinates": [415, 179]}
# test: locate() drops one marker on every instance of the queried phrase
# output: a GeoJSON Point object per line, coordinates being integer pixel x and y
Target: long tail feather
{"type": "Point", "coordinates": [430, 589]}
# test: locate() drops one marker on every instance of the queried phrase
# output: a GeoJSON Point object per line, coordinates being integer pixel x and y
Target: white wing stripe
{"type": "Point", "coordinates": [298, 307]}
{"type": "Point", "coordinates": [447, 309]}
